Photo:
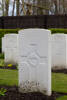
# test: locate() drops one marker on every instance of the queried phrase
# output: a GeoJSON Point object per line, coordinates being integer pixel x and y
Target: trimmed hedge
{"type": "Point", "coordinates": [54, 30]}
{"type": "Point", "coordinates": [9, 31]}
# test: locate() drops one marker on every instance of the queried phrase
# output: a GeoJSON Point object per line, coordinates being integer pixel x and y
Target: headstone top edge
{"type": "Point", "coordinates": [32, 29]}
{"type": "Point", "coordinates": [11, 34]}
{"type": "Point", "coordinates": [58, 34]}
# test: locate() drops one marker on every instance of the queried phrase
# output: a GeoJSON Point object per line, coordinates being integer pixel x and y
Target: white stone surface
{"type": "Point", "coordinates": [35, 60]}
{"type": "Point", "coordinates": [3, 44]}
{"type": "Point", "coordinates": [11, 48]}
{"type": "Point", "coordinates": [59, 51]}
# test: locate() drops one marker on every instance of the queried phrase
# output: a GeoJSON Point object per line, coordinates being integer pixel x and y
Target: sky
{"type": "Point", "coordinates": [10, 8]}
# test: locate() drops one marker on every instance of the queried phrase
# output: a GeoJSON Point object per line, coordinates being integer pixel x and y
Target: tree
{"type": "Point", "coordinates": [3, 8]}
{"type": "Point", "coordinates": [23, 7]}
{"type": "Point", "coordinates": [13, 7]}
{"type": "Point", "coordinates": [34, 8]}
{"type": "Point", "coordinates": [6, 7]}
{"type": "Point", "coordinates": [17, 7]}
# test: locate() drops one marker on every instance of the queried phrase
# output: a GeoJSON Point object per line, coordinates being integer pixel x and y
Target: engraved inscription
{"type": "Point", "coordinates": [43, 59]}
{"type": "Point", "coordinates": [33, 59]}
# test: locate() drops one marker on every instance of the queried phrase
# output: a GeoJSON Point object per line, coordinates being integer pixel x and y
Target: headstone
{"type": "Point", "coordinates": [11, 48]}
{"type": "Point", "coordinates": [35, 61]}
{"type": "Point", "coordinates": [59, 48]}
{"type": "Point", "coordinates": [3, 44]}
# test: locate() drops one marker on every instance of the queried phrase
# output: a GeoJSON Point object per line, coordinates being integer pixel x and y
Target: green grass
{"type": "Point", "coordinates": [8, 77]}
{"type": "Point", "coordinates": [62, 98]}
{"type": "Point", "coordinates": [1, 62]}
{"type": "Point", "coordinates": [1, 55]}
{"type": "Point", "coordinates": [59, 82]}
{"type": "Point", "coordinates": [1, 59]}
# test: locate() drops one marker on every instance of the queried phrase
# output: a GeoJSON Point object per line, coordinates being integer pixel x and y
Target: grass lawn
{"type": "Point", "coordinates": [62, 98]}
{"type": "Point", "coordinates": [1, 62]}
{"type": "Point", "coordinates": [1, 59]}
{"type": "Point", "coordinates": [59, 82]}
{"type": "Point", "coordinates": [8, 77]}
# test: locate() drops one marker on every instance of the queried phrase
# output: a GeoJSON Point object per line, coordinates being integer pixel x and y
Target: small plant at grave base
{"type": "Point", "coordinates": [1, 55]}
{"type": "Point", "coordinates": [9, 65]}
{"type": "Point", "coordinates": [2, 92]}
{"type": "Point", "coordinates": [1, 62]}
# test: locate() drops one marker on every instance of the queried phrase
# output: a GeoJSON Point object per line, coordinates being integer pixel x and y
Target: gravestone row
{"type": "Point", "coordinates": [59, 51]}
{"type": "Point", "coordinates": [10, 48]}
{"type": "Point", "coordinates": [58, 46]}
{"type": "Point", "coordinates": [31, 48]}
{"type": "Point", "coordinates": [35, 51]}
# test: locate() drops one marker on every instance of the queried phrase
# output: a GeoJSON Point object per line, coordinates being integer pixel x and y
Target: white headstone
{"type": "Point", "coordinates": [59, 48]}
{"type": "Point", "coordinates": [11, 48]}
{"type": "Point", "coordinates": [3, 44]}
{"type": "Point", "coordinates": [35, 61]}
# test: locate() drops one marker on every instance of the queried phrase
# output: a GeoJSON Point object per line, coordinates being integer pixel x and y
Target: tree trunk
{"type": "Point", "coordinates": [34, 8]}
{"type": "Point", "coordinates": [64, 7]}
{"type": "Point", "coordinates": [17, 7]}
{"type": "Point", "coordinates": [13, 8]}
{"type": "Point", "coordinates": [23, 9]}
{"type": "Point", "coordinates": [39, 10]}
{"type": "Point", "coordinates": [2, 7]}
{"type": "Point", "coordinates": [6, 7]}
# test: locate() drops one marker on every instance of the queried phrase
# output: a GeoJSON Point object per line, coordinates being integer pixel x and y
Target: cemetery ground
{"type": "Point", "coordinates": [9, 81]}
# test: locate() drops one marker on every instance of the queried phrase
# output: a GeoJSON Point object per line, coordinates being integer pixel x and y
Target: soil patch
{"type": "Point", "coordinates": [15, 67]}
{"type": "Point", "coordinates": [14, 94]}
{"type": "Point", "coordinates": [6, 67]}
{"type": "Point", "coordinates": [60, 71]}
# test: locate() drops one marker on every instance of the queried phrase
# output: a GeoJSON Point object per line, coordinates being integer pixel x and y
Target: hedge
{"type": "Point", "coordinates": [54, 30]}
{"type": "Point", "coordinates": [9, 31]}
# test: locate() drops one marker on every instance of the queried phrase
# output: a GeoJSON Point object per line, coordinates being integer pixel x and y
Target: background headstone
{"type": "Point", "coordinates": [59, 51]}
{"type": "Point", "coordinates": [35, 60]}
{"type": "Point", "coordinates": [3, 44]}
{"type": "Point", "coordinates": [11, 48]}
